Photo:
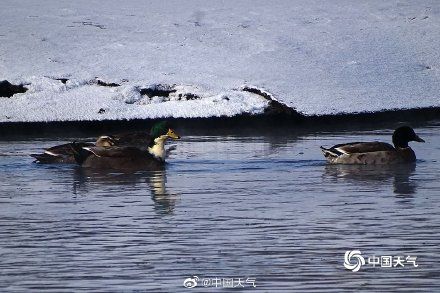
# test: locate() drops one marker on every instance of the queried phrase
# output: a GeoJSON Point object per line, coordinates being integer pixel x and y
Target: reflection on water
{"type": "Point", "coordinates": [156, 184]}
{"type": "Point", "coordinates": [400, 175]}
{"type": "Point", "coordinates": [164, 201]}
{"type": "Point", "coordinates": [262, 206]}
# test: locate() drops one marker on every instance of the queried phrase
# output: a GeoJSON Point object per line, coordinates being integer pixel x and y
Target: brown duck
{"type": "Point", "coordinates": [373, 153]}
{"type": "Point", "coordinates": [63, 153]}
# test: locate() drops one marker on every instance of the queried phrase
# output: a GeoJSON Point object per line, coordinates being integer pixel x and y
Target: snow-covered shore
{"type": "Point", "coordinates": [319, 57]}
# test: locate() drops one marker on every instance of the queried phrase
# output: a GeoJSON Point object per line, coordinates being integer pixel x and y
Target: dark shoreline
{"type": "Point", "coordinates": [252, 123]}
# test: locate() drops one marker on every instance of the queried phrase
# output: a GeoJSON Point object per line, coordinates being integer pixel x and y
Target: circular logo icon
{"type": "Point", "coordinates": [357, 258]}
{"type": "Point", "coordinates": [190, 282]}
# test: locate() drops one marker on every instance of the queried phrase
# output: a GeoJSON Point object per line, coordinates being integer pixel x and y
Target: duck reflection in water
{"type": "Point", "coordinates": [86, 180]}
{"type": "Point", "coordinates": [403, 185]}
{"type": "Point", "coordinates": [164, 201]}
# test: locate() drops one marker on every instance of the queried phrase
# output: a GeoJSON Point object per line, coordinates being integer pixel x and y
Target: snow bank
{"type": "Point", "coordinates": [51, 100]}
{"type": "Point", "coordinates": [319, 57]}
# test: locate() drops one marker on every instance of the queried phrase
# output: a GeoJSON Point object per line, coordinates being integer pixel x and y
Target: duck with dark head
{"type": "Point", "coordinates": [370, 153]}
{"type": "Point", "coordinates": [126, 155]}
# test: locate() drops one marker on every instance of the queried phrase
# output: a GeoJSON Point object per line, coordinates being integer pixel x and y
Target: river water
{"type": "Point", "coordinates": [259, 209]}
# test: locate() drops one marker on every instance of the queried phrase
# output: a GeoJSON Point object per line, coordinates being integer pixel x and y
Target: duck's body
{"type": "Point", "coordinates": [375, 153]}
{"type": "Point", "coordinates": [63, 154]}
{"type": "Point", "coordinates": [117, 158]}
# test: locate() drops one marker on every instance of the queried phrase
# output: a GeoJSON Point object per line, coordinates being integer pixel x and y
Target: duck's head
{"type": "Point", "coordinates": [105, 141]}
{"type": "Point", "coordinates": [403, 135]}
{"type": "Point", "coordinates": [163, 131]}
{"type": "Point", "coordinates": [159, 133]}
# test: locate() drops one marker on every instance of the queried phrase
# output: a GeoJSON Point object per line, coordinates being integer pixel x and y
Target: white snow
{"type": "Point", "coordinates": [50, 100]}
{"type": "Point", "coordinates": [320, 57]}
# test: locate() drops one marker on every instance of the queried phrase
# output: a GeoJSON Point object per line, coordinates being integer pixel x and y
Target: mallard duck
{"type": "Point", "coordinates": [128, 157]}
{"type": "Point", "coordinates": [155, 140]}
{"type": "Point", "coordinates": [375, 152]}
{"type": "Point", "coordinates": [64, 154]}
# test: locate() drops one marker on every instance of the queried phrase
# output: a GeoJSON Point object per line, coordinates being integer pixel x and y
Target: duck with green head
{"type": "Point", "coordinates": [126, 155]}
{"type": "Point", "coordinates": [160, 133]}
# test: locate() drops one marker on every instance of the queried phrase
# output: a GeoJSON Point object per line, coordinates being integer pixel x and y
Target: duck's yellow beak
{"type": "Point", "coordinates": [172, 134]}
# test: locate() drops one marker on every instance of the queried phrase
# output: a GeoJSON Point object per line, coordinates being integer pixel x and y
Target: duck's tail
{"type": "Point", "coordinates": [44, 158]}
